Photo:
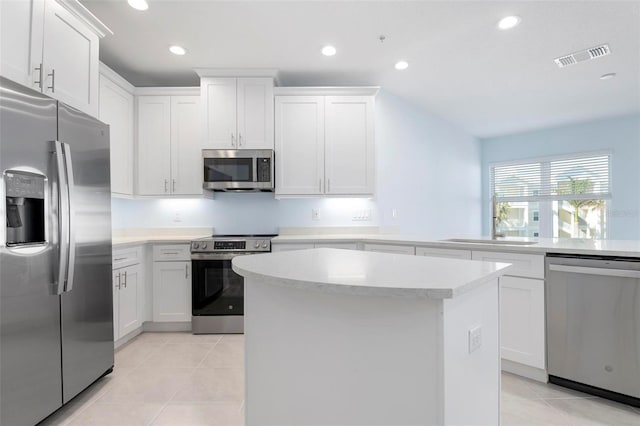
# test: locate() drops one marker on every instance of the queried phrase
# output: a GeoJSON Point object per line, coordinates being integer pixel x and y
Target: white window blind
{"type": "Point", "coordinates": [584, 177]}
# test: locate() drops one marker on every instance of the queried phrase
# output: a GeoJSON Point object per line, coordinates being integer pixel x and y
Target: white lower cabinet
{"type": "Point", "coordinates": [389, 248]}
{"type": "Point", "coordinates": [522, 321]}
{"type": "Point", "coordinates": [128, 291]}
{"type": "Point", "coordinates": [171, 285]}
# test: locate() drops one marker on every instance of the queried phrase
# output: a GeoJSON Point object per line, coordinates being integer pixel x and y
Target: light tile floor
{"type": "Point", "coordinates": [179, 379]}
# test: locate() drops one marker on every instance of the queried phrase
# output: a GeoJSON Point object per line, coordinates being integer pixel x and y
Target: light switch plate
{"type": "Point", "coordinates": [475, 338]}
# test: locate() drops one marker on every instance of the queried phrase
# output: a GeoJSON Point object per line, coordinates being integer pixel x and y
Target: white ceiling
{"type": "Point", "coordinates": [462, 68]}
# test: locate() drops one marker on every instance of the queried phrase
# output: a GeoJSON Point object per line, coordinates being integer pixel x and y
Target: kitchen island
{"type": "Point", "coordinates": [339, 337]}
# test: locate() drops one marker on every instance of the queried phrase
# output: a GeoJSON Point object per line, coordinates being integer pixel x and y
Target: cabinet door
{"type": "Point", "coordinates": [130, 300]}
{"type": "Point", "coordinates": [349, 164]}
{"type": "Point", "coordinates": [522, 321]}
{"type": "Point", "coordinates": [21, 26]}
{"type": "Point", "coordinates": [255, 113]}
{"type": "Point", "coordinates": [299, 145]}
{"type": "Point", "coordinates": [116, 305]}
{"type": "Point", "coordinates": [70, 57]}
{"type": "Point", "coordinates": [389, 248]}
{"type": "Point", "coordinates": [523, 264]}
{"type": "Point", "coordinates": [186, 155]}
{"type": "Point", "coordinates": [440, 252]}
{"type": "Point", "coordinates": [219, 121]}
{"type": "Point", "coordinates": [154, 145]}
{"type": "Point", "coordinates": [116, 109]}
{"type": "Point", "coordinates": [171, 291]}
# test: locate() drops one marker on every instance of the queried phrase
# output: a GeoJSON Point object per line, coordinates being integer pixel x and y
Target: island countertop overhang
{"type": "Point", "coordinates": [357, 272]}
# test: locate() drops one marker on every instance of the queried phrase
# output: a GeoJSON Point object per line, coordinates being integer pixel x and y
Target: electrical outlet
{"type": "Point", "coordinates": [362, 215]}
{"type": "Point", "coordinates": [315, 214]}
{"type": "Point", "coordinates": [475, 338]}
{"type": "Point", "coordinates": [394, 213]}
{"type": "Point", "coordinates": [177, 218]}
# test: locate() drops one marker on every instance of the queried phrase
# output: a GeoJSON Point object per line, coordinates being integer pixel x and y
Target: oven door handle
{"type": "Point", "coordinates": [219, 256]}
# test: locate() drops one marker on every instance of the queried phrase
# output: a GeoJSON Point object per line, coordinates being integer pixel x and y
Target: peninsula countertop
{"type": "Point", "coordinates": [629, 248]}
{"type": "Point", "coordinates": [359, 272]}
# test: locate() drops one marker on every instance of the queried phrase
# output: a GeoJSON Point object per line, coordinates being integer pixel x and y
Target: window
{"type": "Point", "coordinates": [560, 197]}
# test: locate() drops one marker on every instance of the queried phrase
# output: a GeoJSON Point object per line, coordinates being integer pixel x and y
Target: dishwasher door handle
{"type": "Point", "coordinates": [625, 273]}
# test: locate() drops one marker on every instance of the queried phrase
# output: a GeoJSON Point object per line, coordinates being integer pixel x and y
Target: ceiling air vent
{"type": "Point", "coordinates": [583, 55]}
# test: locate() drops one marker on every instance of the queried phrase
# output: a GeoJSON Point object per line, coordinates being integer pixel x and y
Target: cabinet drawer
{"type": "Point", "coordinates": [389, 248]}
{"type": "Point", "coordinates": [171, 252]}
{"type": "Point", "coordinates": [344, 246]}
{"type": "Point", "coordinates": [439, 252]}
{"type": "Point", "coordinates": [524, 265]}
{"type": "Point", "coordinates": [291, 246]}
{"type": "Point", "coordinates": [126, 257]}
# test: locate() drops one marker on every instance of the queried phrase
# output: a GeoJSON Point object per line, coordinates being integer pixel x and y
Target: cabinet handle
{"type": "Point", "coordinates": [169, 252]}
{"type": "Point", "coordinates": [118, 285]}
{"type": "Point", "coordinates": [233, 140]}
{"type": "Point", "coordinates": [125, 279]}
{"type": "Point", "coordinates": [240, 139]}
{"type": "Point", "coordinates": [186, 271]}
{"type": "Point", "coordinates": [39, 81]}
{"type": "Point", "coordinates": [118, 259]}
{"type": "Point", "coordinates": [328, 185]}
{"type": "Point", "coordinates": [174, 185]}
{"type": "Point", "coordinates": [53, 81]}
{"type": "Point", "coordinates": [165, 185]}
{"type": "Point", "coordinates": [320, 185]}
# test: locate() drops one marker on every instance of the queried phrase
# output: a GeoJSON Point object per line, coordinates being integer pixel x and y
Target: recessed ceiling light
{"type": "Point", "coordinates": [509, 22]}
{"type": "Point", "coordinates": [329, 51]}
{"type": "Point", "coordinates": [607, 76]}
{"type": "Point", "coordinates": [177, 50]}
{"type": "Point", "coordinates": [402, 65]}
{"type": "Point", "coordinates": [138, 4]}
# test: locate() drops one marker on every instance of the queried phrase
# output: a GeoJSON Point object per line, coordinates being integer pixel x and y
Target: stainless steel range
{"type": "Point", "coordinates": [217, 291]}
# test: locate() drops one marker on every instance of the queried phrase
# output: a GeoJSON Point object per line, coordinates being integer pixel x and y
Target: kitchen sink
{"type": "Point", "coordinates": [501, 242]}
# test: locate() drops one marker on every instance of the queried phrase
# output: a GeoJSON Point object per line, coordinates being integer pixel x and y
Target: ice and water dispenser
{"type": "Point", "coordinates": [25, 208]}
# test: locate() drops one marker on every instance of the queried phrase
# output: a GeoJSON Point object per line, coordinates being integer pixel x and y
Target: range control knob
{"type": "Point", "coordinates": [257, 244]}
{"type": "Point", "coordinates": [264, 244]}
{"type": "Point", "coordinates": [204, 245]}
{"type": "Point", "coordinates": [196, 245]}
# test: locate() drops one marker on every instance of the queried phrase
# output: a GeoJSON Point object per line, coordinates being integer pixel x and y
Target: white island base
{"type": "Point", "coordinates": [337, 337]}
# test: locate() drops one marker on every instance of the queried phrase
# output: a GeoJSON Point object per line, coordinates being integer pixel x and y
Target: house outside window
{"type": "Point", "coordinates": [558, 197]}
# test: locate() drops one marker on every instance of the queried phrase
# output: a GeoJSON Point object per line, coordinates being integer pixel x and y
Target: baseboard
{"type": "Point", "coordinates": [166, 326]}
{"type": "Point", "coordinates": [532, 373]}
{"type": "Point", "coordinates": [124, 339]}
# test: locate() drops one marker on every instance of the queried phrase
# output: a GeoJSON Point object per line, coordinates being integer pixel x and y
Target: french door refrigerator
{"type": "Point", "coordinates": [56, 318]}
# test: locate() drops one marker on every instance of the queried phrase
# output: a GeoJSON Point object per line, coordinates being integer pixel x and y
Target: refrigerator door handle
{"type": "Point", "coordinates": [63, 222]}
{"type": "Point", "coordinates": [71, 267]}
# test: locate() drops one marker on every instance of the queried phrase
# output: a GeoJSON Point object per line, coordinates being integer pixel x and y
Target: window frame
{"type": "Point", "coordinates": [545, 202]}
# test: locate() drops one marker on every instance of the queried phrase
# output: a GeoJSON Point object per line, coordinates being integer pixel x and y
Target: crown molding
{"type": "Point", "coordinates": [81, 12]}
{"type": "Point", "coordinates": [327, 91]}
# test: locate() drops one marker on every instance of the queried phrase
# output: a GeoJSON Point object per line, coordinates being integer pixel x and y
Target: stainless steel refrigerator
{"type": "Point", "coordinates": [56, 317]}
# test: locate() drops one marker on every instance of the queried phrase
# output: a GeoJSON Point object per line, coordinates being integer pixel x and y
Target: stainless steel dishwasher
{"type": "Point", "coordinates": [593, 325]}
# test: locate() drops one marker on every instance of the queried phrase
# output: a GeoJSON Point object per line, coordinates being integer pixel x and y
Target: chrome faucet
{"type": "Point", "coordinates": [494, 209]}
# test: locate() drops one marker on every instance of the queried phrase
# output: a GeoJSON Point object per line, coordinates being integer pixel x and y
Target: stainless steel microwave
{"type": "Point", "coordinates": [244, 170]}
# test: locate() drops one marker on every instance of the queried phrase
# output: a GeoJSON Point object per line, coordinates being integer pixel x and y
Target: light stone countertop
{"type": "Point", "coordinates": [137, 236]}
{"type": "Point", "coordinates": [359, 272]}
{"type": "Point", "coordinates": [629, 248]}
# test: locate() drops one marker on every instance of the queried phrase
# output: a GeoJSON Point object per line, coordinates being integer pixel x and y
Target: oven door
{"type": "Point", "coordinates": [216, 289]}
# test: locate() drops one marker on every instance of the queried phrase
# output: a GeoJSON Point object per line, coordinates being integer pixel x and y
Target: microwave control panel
{"type": "Point", "coordinates": [263, 173]}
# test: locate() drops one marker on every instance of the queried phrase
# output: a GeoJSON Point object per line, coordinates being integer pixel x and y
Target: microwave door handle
{"type": "Point", "coordinates": [72, 215]}
{"type": "Point", "coordinates": [62, 215]}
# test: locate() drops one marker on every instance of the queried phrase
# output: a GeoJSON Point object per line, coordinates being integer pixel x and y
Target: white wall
{"type": "Point", "coordinates": [427, 169]}
{"type": "Point", "coordinates": [618, 135]}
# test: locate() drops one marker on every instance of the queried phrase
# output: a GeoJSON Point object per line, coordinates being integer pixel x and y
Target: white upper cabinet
{"type": "Point", "coordinates": [116, 108]}
{"type": "Point", "coordinates": [169, 156]}
{"type": "Point", "coordinates": [186, 155]}
{"type": "Point", "coordinates": [154, 145]}
{"type": "Point", "coordinates": [324, 145]}
{"type": "Point", "coordinates": [52, 46]}
{"type": "Point", "coordinates": [237, 113]}
{"type": "Point", "coordinates": [21, 26]}
{"type": "Point", "coordinates": [349, 145]}
{"type": "Point", "coordinates": [299, 145]}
